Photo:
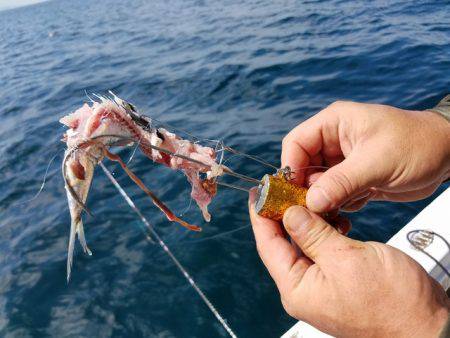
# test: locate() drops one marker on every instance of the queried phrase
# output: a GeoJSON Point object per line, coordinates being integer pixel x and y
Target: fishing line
{"type": "Point", "coordinates": [134, 150]}
{"type": "Point", "coordinates": [188, 207]}
{"type": "Point", "coordinates": [229, 158]}
{"type": "Point", "coordinates": [42, 184]}
{"type": "Point", "coordinates": [129, 201]}
{"type": "Point", "coordinates": [217, 142]}
{"type": "Point", "coordinates": [219, 235]}
{"type": "Point", "coordinates": [163, 245]}
{"type": "Point", "coordinates": [312, 167]}
{"type": "Point", "coordinates": [193, 137]}
{"type": "Point", "coordinates": [252, 157]}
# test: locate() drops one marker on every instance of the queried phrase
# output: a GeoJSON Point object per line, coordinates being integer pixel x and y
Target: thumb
{"type": "Point", "coordinates": [342, 182]}
{"type": "Point", "coordinates": [312, 234]}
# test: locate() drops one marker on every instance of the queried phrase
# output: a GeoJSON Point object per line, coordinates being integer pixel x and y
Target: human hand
{"type": "Point", "coordinates": [375, 152]}
{"type": "Point", "coordinates": [346, 287]}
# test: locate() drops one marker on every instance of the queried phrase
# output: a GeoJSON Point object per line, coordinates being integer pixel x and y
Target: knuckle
{"type": "Point", "coordinates": [336, 106]}
{"type": "Point", "coordinates": [342, 185]}
{"type": "Point", "coordinates": [288, 306]}
{"type": "Point", "coordinates": [379, 252]}
{"type": "Point", "coordinates": [316, 235]}
{"type": "Point", "coordinates": [340, 106]}
{"type": "Point", "coordinates": [287, 139]}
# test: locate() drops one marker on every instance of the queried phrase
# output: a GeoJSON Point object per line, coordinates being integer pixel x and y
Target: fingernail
{"type": "Point", "coordinates": [296, 217]}
{"type": "Point", "coordinates": [252, 195]}
{"type": "Point", "coordinates": [317, 200]}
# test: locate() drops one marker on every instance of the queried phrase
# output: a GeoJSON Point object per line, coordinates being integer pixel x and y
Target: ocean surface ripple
{"type": "Point", "coordinates": [243, 72]}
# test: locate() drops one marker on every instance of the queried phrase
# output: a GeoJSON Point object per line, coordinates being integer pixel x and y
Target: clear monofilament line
{"type": "Point", "coordinates": [166, 249]}
{"type": "Point", "coordinates": [224, 148]}
{"type": "Point", "coordinates": [226, 170]}
{"type": "Point", "coordinates": [232, 186]}
{"type": "Point", "coordinates": [252, 157]}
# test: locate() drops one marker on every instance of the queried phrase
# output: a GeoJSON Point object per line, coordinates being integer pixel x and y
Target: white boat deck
{"type": "Point", "coordinates": [435, 217]}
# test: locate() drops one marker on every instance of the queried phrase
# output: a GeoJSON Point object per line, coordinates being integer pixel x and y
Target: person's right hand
{"type": "Point", "coordinates": [345, 287]}
{"type": "Point", "coordinates": [374, 151]}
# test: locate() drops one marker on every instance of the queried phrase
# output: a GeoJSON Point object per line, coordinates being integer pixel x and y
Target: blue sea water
{"type": "Point", "coordinates": [245, 72]}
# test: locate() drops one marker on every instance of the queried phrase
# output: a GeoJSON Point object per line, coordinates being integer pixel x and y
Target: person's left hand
{"type": "Point", "coordinates": [346, 287]}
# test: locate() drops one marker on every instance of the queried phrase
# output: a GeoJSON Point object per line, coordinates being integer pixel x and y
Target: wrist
{"type": "Point", "coordinates": [434, 325]}
{"type": "Point", "coordinates": [445, 329]}
{"type": "Point", "coordinates": [443, 108]}
{"type": "Point", "coordinates": [440, 323]}
{"type": "Point", "coordinates": [439, 130]}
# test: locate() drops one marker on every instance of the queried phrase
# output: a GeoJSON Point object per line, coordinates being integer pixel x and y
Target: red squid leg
{"type": "Point", "coordinates": [156, 201]}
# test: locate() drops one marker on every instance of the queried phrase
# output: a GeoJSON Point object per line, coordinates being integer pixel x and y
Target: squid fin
{"type": "Point", "coordinates": [70, 249]}
{"type": "Point", "coordinates": [82, 238]}
{"type": "Point", "coordinates": [76, 228]}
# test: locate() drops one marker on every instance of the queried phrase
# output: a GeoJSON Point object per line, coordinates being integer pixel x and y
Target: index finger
{"type": "Point", "coordinates": [317, 135]}
{"type": "Point", "coordinates": [299, 145]}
